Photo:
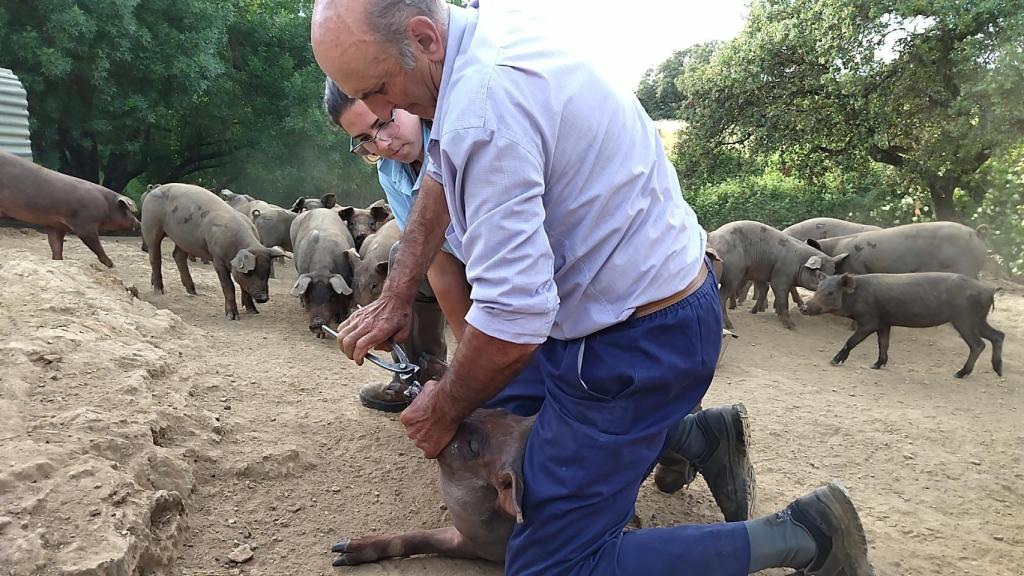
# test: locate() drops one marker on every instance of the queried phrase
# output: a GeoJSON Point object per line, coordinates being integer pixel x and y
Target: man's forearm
{"type": "Point", "coordinates": [421, 240]}
{"type": "Point", "coordinates": [482, 367]}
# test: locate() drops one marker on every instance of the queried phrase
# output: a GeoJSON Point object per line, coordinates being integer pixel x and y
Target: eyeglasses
{"type": "Point", "coordinates": [360, 146]}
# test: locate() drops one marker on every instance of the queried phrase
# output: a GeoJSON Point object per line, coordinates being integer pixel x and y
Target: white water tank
{"type": "Point", "coordinates": [14, 134]}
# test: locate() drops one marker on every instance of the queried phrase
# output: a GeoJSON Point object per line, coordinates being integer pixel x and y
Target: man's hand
{"type": "Point", "coordinates": [372, 326]}
{"type": "Point", "coordinates": [429, 420]}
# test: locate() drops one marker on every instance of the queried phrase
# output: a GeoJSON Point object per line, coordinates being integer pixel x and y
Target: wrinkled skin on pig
{"type": "Point", "coordinates": [322, 242]}
{"type": "Point", "coordinates": [61, 204]}
{"type": "Point", "coordinates": [200, 224]}
{"type": "Point", "coordinates": [481, 483]}
{"type": "Point", "coordinates": [876, 302]}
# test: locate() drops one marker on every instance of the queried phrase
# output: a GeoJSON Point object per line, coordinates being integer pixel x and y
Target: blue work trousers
{"type": "Point", "coordinates": [606, 402]}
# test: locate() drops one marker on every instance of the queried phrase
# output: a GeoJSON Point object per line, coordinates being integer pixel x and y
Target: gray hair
{"type": "Point", "coordinates": [388, 18]}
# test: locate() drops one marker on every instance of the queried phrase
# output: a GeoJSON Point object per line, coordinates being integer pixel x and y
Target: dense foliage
{"type": "Point", "coordinates": [224, 93]}
{"type": "Point", "coordinates": [879, 110]}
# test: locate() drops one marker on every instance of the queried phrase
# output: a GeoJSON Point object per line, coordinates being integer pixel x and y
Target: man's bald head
{"type": "Point", "coordinates": [370, 45]}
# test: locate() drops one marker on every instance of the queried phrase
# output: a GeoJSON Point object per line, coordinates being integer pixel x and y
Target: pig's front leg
{"type": "Point", "coordinates": [781, 294]}
{"type": "Point", "coordinates": [228, 287]}
{"type": "Point", "coordinates": [443, 542]}
{"type": "Point", "coordinates": [249, 303]}
{"type": "Point", "coordinates": [857, 337]}
{"type": "Point", "coordinates": [883, 347]}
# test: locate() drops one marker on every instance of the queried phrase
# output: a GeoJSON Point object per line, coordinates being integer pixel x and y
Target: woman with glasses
{"type": "Point", "coordinates": [398, 146]}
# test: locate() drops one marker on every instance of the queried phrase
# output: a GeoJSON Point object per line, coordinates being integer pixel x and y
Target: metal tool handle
{"type": "Point", "coordinates": [403, 367]}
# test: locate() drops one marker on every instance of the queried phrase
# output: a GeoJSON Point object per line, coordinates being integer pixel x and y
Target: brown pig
{"type": "Point", "coordinates": [877, 302]}
{"type": "Point", "coordinates": [201, 224]}
{"type": "Point", "coordinates": [481, 484]}
{"type": "Point", "coordinates": [370, 265]}
{"type": "Point", "coordinates": [61, 204]}
{"type": "Point", "coordinates": [362, 222]}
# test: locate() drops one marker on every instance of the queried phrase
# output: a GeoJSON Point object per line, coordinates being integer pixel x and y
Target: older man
{"type": "Point", "coordinates": [588, 279]}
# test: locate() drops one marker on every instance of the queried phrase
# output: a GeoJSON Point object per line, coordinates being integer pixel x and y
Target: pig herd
{"type": "Point", "coordinates": [916, 275]}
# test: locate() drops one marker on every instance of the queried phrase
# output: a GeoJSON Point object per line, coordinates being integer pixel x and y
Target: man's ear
{"type": "Point", "coordinates": [510, 494]}
{"type": "Point", "coordinates": [424, 34]}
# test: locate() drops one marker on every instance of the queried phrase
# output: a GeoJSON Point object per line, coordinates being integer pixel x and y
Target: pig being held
{"type": "Point", "coordinates": [364, 221]}
{"type": "Point", "coordinates": [754, 251]}
{"type": "Point", "coordinates": [200, 224]}
{"type": "Point", "coordinates": [61, 204]}
{"type": "Point", "coordinates": [322, 242]}
{"type": "Point", "coordinates": [924, 247]}
{"type": "Point", "coordinates": [482, 485]}
{"type": "Point", "coordinates": [370, 265]}
{"type": "Point", "coordinates": [876, 302]}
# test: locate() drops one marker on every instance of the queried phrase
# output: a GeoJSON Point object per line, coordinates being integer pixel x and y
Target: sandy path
{"type": "Point", "coordinates": [934, 463]}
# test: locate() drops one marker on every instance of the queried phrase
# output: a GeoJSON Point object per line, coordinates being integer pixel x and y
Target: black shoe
{"type": "Point", "coordinates": [388, 397]}
{"type": "Point", "coordinates": [830, 518]}
{"type": "Point", "coordinates": [674, 472]}
{"type": "Point", "coordinates": [725, 464]}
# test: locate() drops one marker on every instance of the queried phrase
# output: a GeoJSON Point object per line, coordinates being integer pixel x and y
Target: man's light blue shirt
{"type": "Point", "coordinates": [401, 185]}
{"type": "Point", "coordinates": [564, 206]}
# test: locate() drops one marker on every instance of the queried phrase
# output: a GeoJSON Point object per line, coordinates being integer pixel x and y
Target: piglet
{"type": "Point", "coordinates": [877, 302]}
{"type": "Point", "coordinates": [481, 483]}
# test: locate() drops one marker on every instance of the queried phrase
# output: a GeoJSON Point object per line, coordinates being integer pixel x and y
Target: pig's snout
{"type": "Point", "coordinates": [359, 240]}
{"type": "Point", "coordinates": [261, 297]}
{"type": "Point", "coordinates": [316, 327]}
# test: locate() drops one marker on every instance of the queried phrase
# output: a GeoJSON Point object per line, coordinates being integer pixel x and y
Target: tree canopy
{"type": "Point", "coordinates": [930, 88]}
{"type": "Point", "coordinates": [216, 92]}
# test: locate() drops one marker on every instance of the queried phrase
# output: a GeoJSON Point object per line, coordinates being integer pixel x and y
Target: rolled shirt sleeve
{"type": "Point", "coordinates": [509, 261]}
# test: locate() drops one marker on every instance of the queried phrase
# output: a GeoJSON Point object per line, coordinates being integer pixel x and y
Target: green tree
{"type": "Point", "coordinates": [215, 92]}
{"type": "Point", "coordinates": [659, 91]}
{"type": "Point", "coordinates": [929, 87]}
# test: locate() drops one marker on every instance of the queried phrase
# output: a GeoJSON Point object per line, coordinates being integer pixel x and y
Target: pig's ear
{"type": "Point", "coordinates": [353, 257]}
{"type": "Point", "coordinates": [127, 203]}
{"type": "Point", "coordinates": [382, 268]}
{"type": "Point", "coordinates": [301, 285]}
{"type": "Point", "coordinates": [340, 286]}
{"type": "Point", "coordinates": [821, 276]}
{"type": "Point", "coordinates": [299, 204]}
{"type": "Point", "coordinates": [328, 200]}
{"type": "Point", "coordinates": [814, 244]}
{"type": "Point", "coordinates": [380, 213]}
{"type": "Point", "coordinates": [814, 263]}
{"type": "Point", "coordinates": [510, 494]}
{"type": "Point", "coordinates": [346, 213]}
{"type": "Point", "coordinates": [848, 283]}
{"type": "Point", "coordinates": [244, 261]}
{"type": "Point", "coordinates": [839, 258]}
{"type": "Point", "coordinates": [712, 253]}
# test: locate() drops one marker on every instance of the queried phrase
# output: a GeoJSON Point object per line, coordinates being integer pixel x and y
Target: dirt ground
{"type": "Point", "coordinates": [153, 436]}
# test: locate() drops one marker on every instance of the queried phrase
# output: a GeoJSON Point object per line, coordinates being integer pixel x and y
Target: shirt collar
{"type": "Point", "coordinates": [459, 20]}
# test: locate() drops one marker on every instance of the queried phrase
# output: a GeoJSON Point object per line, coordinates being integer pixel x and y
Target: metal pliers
{"type": "Point", "coordinates": [405, 369]}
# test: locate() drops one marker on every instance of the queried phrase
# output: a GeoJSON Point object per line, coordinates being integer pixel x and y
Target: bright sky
{"type": "Point", "coordinates": [628, 37]}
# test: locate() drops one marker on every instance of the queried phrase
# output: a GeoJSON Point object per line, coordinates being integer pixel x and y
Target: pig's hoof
{"type": "Point", "coordinates": [961, 373]}
{"type": "Point", "coordinates": [836, 362]}
{"type": "Point", "coordinates": [231, 316]}
{"type": "Point", "coordinates": [877, 365]}
{"type": "Point", "coordinates": [341, 547]}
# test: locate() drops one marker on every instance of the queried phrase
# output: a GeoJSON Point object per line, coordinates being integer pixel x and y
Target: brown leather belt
{"type": "Point", "coordinates": [652, 307]}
